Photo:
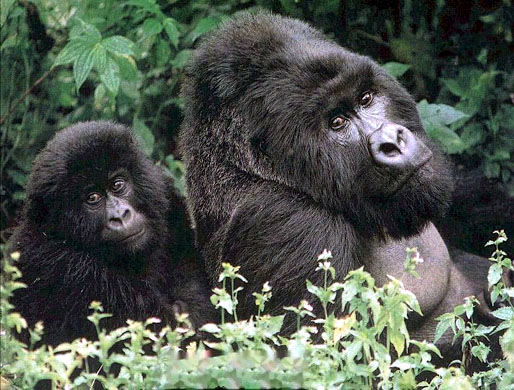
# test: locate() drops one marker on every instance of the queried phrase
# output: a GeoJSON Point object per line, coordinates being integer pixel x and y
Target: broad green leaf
{"type": "Point", "coordinates": [455, 87]}
{"type": "Point", "coordinates": [72, 51]}
{"type": "Point", "coordinates": [119, 45]}
{"type": "Point", "coordinates": [181, 58]}
{"type": "Point", "coordinates": [396, 69]}
{"type": "Point", "coordinates": [441, 328]}
{"type": "Point", "coordinates": [471, 135]}
{"type": "Point", "coordinates": [5, 7]}
{"type": "Point", "coordinates": [504, 313]}
{"type": "Point", "coordinates": [99, 98]}
{"type": "Point", "coordinates": [128, 68]}
{"type": "Point", "coordinates": [439, 114]}
{"type": "Point", "coordinates": [494, 274]}
{"type": "Point", "coordinates": [203, 26]}
{"type": "Point", "coordinates": [111, 76]}
{"type": "Point", "coordinates": [162, 52]}
{"type": "Point", "coordinates": [81, 67]}
{"type": "Point", "coordinates": [145, 135]}
{"type": "Point", "coordinates": [398, 340]}
{"type": "Point", "coordinates": [151, 27]}
{"type": "Point", "coordinates": [99, 58]}
{"type": "Point", "coordinates": [446, 137]}
{"type": "Point", "coordinates": [171, 27]}
{"type": "Point", "coordinates": [85, 32]}
{"type": "Point", "coordinates": [500, 155]}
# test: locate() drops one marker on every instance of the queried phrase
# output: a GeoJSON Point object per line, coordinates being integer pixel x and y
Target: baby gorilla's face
{"type": "Point", "coordinates": [109, 201]}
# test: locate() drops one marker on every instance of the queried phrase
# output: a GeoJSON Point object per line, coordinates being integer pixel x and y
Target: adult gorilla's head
{"type": "Point", "coordinates": [319, 119]}
{"type": "Point", "coordinates": [93, 187]}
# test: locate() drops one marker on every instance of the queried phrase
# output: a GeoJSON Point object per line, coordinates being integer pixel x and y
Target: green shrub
{"type": "Point", "coordinates": [370, 346]}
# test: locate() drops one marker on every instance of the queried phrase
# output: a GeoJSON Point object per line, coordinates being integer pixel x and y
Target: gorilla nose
{"type": "Point", "coordinates": [394, 146]}
{"type": "Point", "coordinates": [119, 218]}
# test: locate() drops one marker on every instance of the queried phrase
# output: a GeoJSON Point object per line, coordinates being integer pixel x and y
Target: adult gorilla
{"type": "Point", "coordinates": [101, 223]}
{"type": "Point", "coordinates": [293, 145]}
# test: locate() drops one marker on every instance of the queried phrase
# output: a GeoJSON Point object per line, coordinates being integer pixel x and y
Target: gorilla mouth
{"type": "Point", "coordinates": [404, 179]}
{"type": "Point", "coordinates": [132, 237]}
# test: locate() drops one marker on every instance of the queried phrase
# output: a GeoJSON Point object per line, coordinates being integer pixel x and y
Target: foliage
{"type": "Point", "coordinates": [369, 346]}
{"type": "Point", "coordinates": [64, 62]}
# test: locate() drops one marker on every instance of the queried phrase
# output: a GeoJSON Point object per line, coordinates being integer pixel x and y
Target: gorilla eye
{"type": "Point", "coordinates": [93, 198]}
{"type": "Point", "coordinates": [366, 99]}
{"type": "Point", "coordinates": [337, 122]}
{"type": "Point", "coordinates": [118, 185]}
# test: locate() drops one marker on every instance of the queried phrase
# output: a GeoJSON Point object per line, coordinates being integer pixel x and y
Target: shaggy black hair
{"type": "Point", "coordinates": [64, 263]}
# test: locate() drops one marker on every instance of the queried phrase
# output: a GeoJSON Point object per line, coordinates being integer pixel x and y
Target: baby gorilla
{"type": "Point", "coordinates": [101, 224]}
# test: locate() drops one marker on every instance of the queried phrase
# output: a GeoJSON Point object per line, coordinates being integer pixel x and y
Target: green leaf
{"type": "Point", "coordinates": [119, 45]}
{"type": "Point", "coordinates": [396, 69]}
{"type": "Point", "coordinates": [111, 76]}
{"type": "Point", "coordinates": [128, 68]}
{"type": "Point", "coordinates": [151, 27]}
{"type": "Point", "coordinates": [72, 51]}
{"type": "Point", "coordinates": [85, 32]}
{"type": "Point", "coordinates": [5, 6]}
{"type": "Point", "coordinates": [504, 313]}
{"type": "Point", "coordinates": [491, 169]}
{"type": "Point", "coordinates": [446, 137]}
{"type": "Point", "coordinates": [203, 26]}
{"type": "Point", "coordinates": [82, 67]}
{"type": "Point", "coordinates": [397, 339]}
{"type": "Point", "coordinates": [18, 177]}
{"type": "Point", "coordinates": [99, 58]}
{"type": "Point", "coordinates": [441, 329]}
{"type": "Point", "coordinates": [439, 114]}
{"type": "Point", "coordinates": [181, 59]}
{"type": "Point", "coordinates": [455, 87]}
{"type": "Point", "coordinates": [171, 28]}
{"type": "Point", "coordinates": [494, 275]}
{"type": "Point", "coordinates": [145, 135]}
{"type": "Point", "coordinates": [471, 135]}
{"type": "Point", "coordinates": [162, 52]}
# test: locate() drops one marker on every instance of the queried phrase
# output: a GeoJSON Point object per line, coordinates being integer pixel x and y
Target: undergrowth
{"type": "Point", "coordinates": [368, 347]}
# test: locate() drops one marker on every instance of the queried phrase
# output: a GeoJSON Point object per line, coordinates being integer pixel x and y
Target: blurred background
{"type": "Point", "coordinates": [64, 61]}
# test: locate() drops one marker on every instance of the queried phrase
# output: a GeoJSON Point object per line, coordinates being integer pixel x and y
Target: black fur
{"type": "Point", "coordinates": [271, 185]}
{"type": "Point", "coordinates": [65, 264]}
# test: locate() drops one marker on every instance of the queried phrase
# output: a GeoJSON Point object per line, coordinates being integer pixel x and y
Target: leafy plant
{"type": "Point", "coordinates": [368, 347]}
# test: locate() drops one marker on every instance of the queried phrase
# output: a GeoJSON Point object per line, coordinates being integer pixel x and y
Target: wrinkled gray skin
{"type": "Point", "coordinates": [273, 180]}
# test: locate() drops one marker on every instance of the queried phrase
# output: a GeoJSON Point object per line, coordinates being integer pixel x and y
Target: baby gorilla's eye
{"type": "Point", "coordinates": [93, 198]}
{"type": "Point", "coordinates": [337, 122]}
{"type": "Point", "coordinates": [118, 185]}
{"type": "Point", "coordinates": [366, 99]}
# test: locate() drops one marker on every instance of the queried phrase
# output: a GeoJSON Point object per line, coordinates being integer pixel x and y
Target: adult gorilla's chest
{"type": "Point", "coordinates": [438, 279]}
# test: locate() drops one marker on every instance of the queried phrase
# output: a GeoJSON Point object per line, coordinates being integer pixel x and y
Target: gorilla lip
{"type": "Point", "coordinates": [133, 236]}
{"type": "Point", "coordinates": [406, 179]}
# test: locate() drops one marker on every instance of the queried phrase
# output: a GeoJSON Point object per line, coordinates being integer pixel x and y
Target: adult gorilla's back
{"type": "Point", "coordinates": [293, 145]}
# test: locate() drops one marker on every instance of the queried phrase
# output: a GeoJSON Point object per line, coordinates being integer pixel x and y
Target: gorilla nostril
{"type": "Point", "coordinates": [389, 149]}
{"type": "Point", "coordinates": [126, 214]}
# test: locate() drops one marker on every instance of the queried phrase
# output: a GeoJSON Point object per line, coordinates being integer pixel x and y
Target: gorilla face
{"type": "Point", "coordinates": [333, 125]}
{"type": "Point", "coordinates": [96, 190]}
